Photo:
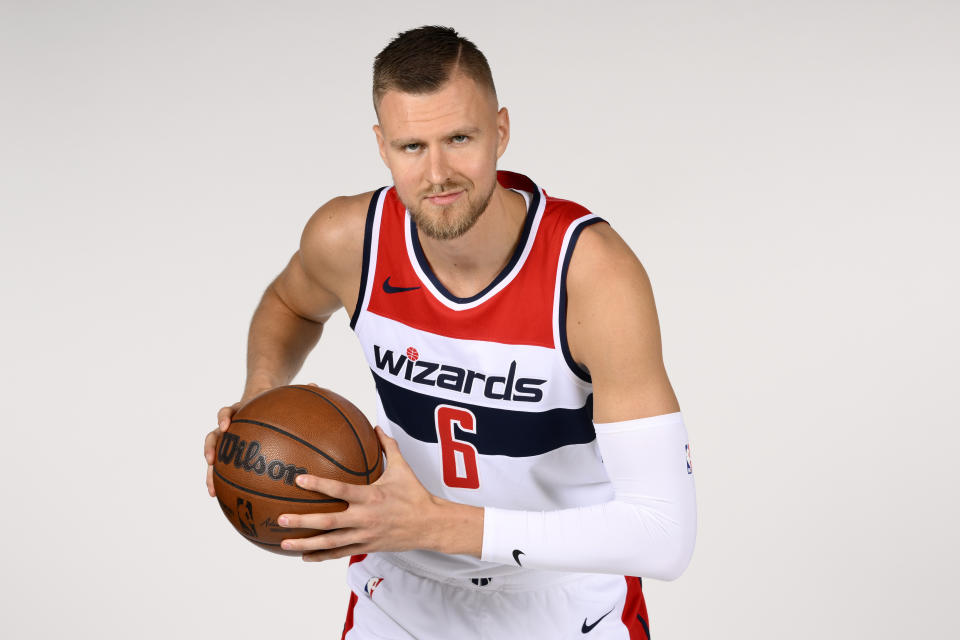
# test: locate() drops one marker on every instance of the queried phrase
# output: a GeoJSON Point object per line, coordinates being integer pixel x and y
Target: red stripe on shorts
{"type": "Point", "coordinates": [348, 623]}
{"type": "Point", "coordinates": [635, 610]}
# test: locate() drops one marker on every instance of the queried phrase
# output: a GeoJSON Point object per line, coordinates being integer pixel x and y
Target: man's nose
{"type": "Point", "coordinates": [438, 169]}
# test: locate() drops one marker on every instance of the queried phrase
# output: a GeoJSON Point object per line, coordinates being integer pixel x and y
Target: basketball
{"type": "Point", "coordinates": [275, 437]}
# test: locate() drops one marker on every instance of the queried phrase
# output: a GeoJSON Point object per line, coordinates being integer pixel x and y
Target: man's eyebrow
{"type": "Point", "coordinates": [465, 131]}
{"type": "Point", "coordinates": [402, 142]}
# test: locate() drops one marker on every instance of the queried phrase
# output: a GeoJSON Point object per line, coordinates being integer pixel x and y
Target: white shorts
{"type": "Point", "coordinates": [393, 603]}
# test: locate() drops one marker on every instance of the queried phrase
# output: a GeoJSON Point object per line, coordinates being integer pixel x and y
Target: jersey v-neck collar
{"type": "Point", "coordinates": [512, 268]}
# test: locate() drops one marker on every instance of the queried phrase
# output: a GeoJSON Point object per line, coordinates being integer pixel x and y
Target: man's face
{"type": "Point", "coordinates": [442, 150]}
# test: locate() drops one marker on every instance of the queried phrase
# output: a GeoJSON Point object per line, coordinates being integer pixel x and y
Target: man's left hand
{"type": "Point", "coordinates": [395, 513]}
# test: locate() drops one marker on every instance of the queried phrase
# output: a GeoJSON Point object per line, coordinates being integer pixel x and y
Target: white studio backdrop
{"type": "Point", "coordinates": [786, 171]}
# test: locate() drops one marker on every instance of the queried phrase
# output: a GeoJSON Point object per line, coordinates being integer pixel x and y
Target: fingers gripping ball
{"type": "Point", "coordinates": [275, 437]}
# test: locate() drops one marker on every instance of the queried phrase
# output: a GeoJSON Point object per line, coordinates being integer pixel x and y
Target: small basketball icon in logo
{"type": "Point", "coordinates": [412, 354]}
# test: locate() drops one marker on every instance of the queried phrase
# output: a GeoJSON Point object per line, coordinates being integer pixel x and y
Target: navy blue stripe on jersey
{"type": "Point", "coordinates": [499, 432]}
{"type": "Point", "coordinates": [576, 368]}
{"type": "Point", "coordinates": [367, 240]}
{"type": "Point", "coordinates": [524, 236]}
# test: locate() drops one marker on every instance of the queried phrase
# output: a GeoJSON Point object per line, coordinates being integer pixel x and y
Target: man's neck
{"type": "Point", "coordinates": [466, 265]}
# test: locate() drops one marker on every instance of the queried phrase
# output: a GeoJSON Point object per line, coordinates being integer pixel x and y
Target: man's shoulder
{"type": "Point", "coordinates": [332, 239]}
{"type": "Point", "coordinates": [338, 224]}
{"type": "Point", "coordinates": [596, 247]}
{"type": "Point", "coordinates": [603, 264]}
{"type": "Point", "coordinates": [340, 215]}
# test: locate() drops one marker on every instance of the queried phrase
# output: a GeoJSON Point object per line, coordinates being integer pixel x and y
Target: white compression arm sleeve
{"type": "Point", "coordinates": [647, 530]}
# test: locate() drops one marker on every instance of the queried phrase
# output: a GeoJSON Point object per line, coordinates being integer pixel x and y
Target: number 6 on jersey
{"type": "Point", "coordinates": [447, 418]}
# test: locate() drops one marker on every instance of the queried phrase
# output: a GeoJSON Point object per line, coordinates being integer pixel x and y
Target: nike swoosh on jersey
{"type": "Point", "coordinates": [516, 556]}
{"type": "Point", "coordinates": [389, 288]}
{"type": "Point", "coordinates": [587, 628]}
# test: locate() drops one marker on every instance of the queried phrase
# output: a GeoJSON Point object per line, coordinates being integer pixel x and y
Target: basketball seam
{"type": "Point", "coordinates": [356, 435]}
{"type": "Point", "coordinates": [267, 495]}
{"type": "Point", "coordinates": [306, 444]}
{"type": "Point", "coordinates": [379, 458]}
{"type": "Point", "coordinates": [258, 541]}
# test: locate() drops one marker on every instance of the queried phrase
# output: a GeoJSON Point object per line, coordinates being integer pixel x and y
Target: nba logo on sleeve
{"type": "Point", "coordinates": [689, 460]}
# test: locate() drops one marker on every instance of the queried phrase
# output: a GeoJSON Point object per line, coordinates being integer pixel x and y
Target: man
{"type": "Point", "coordinates": [538, 456]}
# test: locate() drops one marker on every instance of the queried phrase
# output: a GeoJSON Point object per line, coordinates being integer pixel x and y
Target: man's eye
{"type": "Point", "coordinates": [413, 146]}
{"type": "Point", "coordinates": [460, 139]}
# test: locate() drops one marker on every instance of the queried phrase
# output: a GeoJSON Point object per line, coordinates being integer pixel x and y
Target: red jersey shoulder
{"type": "Point", "coordinates": [568, 209]}
{"type": "Point", "coordinates": [559, 214]}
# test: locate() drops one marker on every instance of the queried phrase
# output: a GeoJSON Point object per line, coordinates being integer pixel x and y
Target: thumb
{"type": "Point", "coordinates": [389, 446]}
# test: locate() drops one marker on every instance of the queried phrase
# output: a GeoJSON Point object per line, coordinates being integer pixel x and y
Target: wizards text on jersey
{"type": "Point", "coordinates": [462, 380]}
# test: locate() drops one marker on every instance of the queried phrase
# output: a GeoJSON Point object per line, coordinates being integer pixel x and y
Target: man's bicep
{"type": "Point", "coordinates": [304, 294]}
{"type": "Point", "coordinates": [614, 331]}
{"type": "Point", "coordinates": [324, 274]}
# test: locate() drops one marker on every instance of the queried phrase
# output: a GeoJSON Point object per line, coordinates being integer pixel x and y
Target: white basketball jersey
{"type": "Point", "coordinates": [481, 393]}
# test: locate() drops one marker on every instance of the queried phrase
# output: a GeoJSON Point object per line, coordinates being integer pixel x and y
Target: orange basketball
{"type": "Point", "coordinates": [275, 437]}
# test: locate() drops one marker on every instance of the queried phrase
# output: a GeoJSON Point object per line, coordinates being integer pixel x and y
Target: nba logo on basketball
{"type": "Point", "coordinates": [372, 584]}
{"type": "Point", "coordinates": [689, 459]}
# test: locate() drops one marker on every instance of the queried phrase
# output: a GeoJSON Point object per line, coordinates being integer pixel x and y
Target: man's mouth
{"type": "Point", "coordinates": [444, 198]}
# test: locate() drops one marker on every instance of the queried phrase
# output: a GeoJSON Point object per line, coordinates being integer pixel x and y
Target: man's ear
{"type": "Point", "coordinates": [503, 131]}
{"type": "Point", "coordinates": [381, 144]}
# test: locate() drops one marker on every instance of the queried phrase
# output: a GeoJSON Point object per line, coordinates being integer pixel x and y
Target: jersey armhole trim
{"type": "Point", "coordinates": [578, 227]}
{"type": "Point", "coordinates": [365, 274]}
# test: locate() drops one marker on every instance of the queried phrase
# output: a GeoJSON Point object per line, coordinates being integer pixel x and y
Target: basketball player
{"type": "Point", "coordinates": [537, 459]}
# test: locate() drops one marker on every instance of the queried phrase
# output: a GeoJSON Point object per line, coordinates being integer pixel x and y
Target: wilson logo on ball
{"type": "Point", "coordinates": [246, 455]}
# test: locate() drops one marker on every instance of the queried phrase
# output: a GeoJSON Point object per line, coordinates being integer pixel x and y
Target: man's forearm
{"type": "Point", "coordinates": [649, 529]}
{"type": "Point", "coordinates": [455, 528]}
{"type": "Point", "coordinates": [277, 344]}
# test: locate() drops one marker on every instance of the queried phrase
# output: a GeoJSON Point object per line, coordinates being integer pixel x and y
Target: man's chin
{"type": "Point", "coordinates": [448, 221]}
{"type": "Point", "coordinates": [443, 227]}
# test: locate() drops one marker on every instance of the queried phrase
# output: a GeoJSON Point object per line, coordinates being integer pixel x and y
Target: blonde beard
{"type": "Point", "coordinates": [439, 229]}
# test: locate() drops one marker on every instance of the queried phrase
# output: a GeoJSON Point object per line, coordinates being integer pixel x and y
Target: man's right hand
{"type": "Point", "coordinates": [224, 416]}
